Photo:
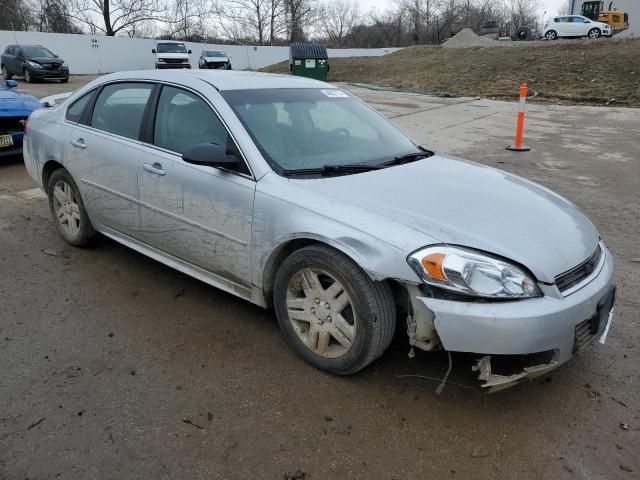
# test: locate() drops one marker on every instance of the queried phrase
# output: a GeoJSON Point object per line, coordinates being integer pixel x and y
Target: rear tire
{"type": "Point", "coordinates": [5, 73]}
{"type": "Point", "coordinates": [330, 311]}
{"type": "Point", "coordinates": [67, 209]}
{"type": "Point", "coordinates": [551, 35]}
{"type": "Point", "coordinates": [595, 33]}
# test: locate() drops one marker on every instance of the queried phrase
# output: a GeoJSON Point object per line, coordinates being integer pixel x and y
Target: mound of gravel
{"type": "Point", "coordinates": [466, 38]}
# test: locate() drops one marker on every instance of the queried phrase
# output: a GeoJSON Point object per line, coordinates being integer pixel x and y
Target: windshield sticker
{"type": "Point", "coordinates": [335, 93]}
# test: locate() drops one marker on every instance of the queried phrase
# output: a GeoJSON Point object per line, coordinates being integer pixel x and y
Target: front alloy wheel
{"type": "Point", "coordinates": [594, 33]}
{"type": "Point", "coordinates": [331, 313]}
{"type": "Point", "coordinates": [321, 312]}
{"type": "Point", "coordinates": [551, 35]}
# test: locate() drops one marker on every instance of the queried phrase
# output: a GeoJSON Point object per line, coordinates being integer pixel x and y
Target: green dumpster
{"type": "Point", "coordinates": [308, 60]}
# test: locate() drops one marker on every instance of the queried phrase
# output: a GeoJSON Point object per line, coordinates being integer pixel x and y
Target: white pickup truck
{"type": "Point", "coordinates": [171, 55]}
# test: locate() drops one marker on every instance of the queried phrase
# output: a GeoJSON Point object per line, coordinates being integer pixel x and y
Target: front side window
{"type": "Point", "coordinates": [297, 129]}
{"type": "Point", "coordinates": [184, 120]}
{"type": "Point", "coordinates": [171, 48]}
{"type": "Point", "coordinates": [75, 111]}
{"type": "Point", "coordinates": [120, 107]}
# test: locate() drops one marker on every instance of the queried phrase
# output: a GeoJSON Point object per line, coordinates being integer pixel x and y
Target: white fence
{"type": "Point", "coordinates": [91, 54]}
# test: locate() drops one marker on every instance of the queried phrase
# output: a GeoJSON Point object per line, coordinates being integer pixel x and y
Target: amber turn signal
{"type": "Point", "coordinates": [432, 263]}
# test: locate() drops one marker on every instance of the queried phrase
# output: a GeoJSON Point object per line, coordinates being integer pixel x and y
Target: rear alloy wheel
{"type": "Point", "coordinates": [68, 209]}
{"type": "Point", "coordinates": [595, 33]}
{"type": "Point", "coordinates": [5, 73]}
{"type": "Point", "coordinates": [551, 35]}
{"type": "Point", "coordinates": [330, 312]}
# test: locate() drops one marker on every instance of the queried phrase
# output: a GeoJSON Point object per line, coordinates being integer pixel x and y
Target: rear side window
{"type": "Point", "coordinates": [120, 107]}
{"type": "Point", "coordinates": [75, 111]}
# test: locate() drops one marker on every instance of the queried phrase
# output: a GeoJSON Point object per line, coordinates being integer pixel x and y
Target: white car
{"type": "Point", "coordinates": [575, 26]}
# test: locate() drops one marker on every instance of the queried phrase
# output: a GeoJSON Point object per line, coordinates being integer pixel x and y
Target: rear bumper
{"type": "Point", "coordinates": [547, 324]}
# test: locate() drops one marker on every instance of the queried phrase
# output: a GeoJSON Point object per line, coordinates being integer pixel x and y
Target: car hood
{"type": "Point", "coordinates": [47, 60]}
{"type": "Point", "coordinates": [463, 203]}
{"type": "Point", "coordinates": [14, 104]}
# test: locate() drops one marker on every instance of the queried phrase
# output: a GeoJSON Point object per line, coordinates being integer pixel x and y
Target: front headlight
{"type": "Point", "coordinates": [161, 60]}
{"type": "Point", "coordinates": [65, 65]}
{"type": "Point", "coordinates": [471, 273]}
{"type": "Point", "coordinates": [34, 64]}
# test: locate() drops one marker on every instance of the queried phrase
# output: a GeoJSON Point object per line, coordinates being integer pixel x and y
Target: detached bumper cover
{"type": "Point", "coordinates": [523, 327]}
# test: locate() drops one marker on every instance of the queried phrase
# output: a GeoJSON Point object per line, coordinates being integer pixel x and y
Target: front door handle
{"type": "Point", "coordinates": [79, 142]}
{"type": "Point", "coordinates": [155, 168]}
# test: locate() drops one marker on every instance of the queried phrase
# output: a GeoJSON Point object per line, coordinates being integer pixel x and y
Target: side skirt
{"type": "Point", "coordinates": [176, 263]}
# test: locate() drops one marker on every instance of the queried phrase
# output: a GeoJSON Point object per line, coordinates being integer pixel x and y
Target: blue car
{"type": "Point", "coordinates": [15, 108]}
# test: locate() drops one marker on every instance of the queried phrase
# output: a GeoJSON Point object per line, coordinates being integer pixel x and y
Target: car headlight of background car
{"type": "Point", "coordinates": [65, 65]}
{"type": "Point", "coordinates": [34, 64]}
{"type": "Point", "coordinates": [468, 272]}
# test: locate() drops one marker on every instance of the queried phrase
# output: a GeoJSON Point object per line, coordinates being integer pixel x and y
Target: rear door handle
{"type": "Point", "coordinates": [155, 168]}
{"type": "Point", "coordinates": [79, 142]}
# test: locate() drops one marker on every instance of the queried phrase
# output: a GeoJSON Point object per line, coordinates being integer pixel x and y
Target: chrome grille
{"type": "Point", "coordinates": [573, 277]}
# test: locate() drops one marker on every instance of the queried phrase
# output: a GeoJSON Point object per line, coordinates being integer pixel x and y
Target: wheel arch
{"type": "Point", "coordinates": [290, 245]}
{"type": "Point", "coordinates": [48, 168]}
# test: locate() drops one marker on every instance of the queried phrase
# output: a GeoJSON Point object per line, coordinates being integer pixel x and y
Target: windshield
{"type": "Point", "coordinates": [171, 48]}
{"type": "Point", "coordinates": [213, 53]}
{"type": "Point", "coordinates": [312, 128]}
{"type": "Point", "coordinates": [36, 52]}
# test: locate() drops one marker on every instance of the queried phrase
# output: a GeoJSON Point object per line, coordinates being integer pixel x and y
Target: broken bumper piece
{"type": "Point", "coordinates": [551, 323]}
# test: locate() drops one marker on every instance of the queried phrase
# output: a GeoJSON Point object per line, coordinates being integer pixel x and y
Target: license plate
{"type": "Point", "coordinates": [6, 141]}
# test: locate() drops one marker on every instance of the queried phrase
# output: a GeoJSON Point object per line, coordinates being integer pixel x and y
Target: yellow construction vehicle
{"type": "Point", "coordinates": [617, 19]}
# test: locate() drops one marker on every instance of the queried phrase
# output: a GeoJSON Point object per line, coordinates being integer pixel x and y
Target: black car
{"type": "Point", "coordinates": [34, 62]}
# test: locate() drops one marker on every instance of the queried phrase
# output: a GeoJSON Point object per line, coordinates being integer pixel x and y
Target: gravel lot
{"type": "Point", "coordinates": [114, 366]}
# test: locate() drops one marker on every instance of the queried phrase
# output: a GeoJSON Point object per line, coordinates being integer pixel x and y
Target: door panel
{"type": "Point", "coordinates": [106, 171]}
{"type": "Point", "coordinates": [105, 156]}
{"type": "Point", "coordinates": [198, 214]}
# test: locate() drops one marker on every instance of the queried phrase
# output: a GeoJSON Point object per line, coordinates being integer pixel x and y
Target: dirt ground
{"type": "Point", "coordinates": [113, 366]}
{"type": "Point", "coordinates": [570, 72]}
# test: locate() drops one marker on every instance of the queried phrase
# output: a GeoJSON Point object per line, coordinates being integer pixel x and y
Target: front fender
{"type": "Point", "coordinates": [279, 223]}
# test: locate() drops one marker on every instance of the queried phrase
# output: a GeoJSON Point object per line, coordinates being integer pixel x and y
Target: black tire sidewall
{"type": "Point", "coordinates": [86, 231]}
{"type": "Point", "coordinates": [364, 316]}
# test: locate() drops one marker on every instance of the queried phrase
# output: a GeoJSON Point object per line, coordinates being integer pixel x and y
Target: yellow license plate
{"type": "Point", "coordinates": [6, 141]}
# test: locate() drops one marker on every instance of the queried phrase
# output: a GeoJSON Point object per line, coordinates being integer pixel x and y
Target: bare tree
{"type": "Point", "coordinates": [300, 14]}
{"type": "Point", "coordinates": [16, 15]}
{"type": "Point", "coordinates": [338, 19]}
{"type": "Point", "coordinates": [111, 17]}
{"type": "Point", "coordinates": [52, 16]}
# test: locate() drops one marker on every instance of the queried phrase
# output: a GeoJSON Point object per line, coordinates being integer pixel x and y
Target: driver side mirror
{"type": "Point", "coordinates": [11, 83]}
{"type": "Point", "coordinates": [210, 155]}
{"type": "Point", "coordinates": [153, 50]}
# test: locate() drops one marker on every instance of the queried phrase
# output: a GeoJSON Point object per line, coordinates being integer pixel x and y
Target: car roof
{"type": "Point", "coordinates": [222, 79]}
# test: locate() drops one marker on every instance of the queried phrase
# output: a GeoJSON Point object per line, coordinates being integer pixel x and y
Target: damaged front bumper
{"type": "Point", "coordinates": [549, 329]}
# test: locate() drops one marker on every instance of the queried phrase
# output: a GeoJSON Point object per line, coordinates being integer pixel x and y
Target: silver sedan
{"type": "Point", "coordinates": [293, 194]}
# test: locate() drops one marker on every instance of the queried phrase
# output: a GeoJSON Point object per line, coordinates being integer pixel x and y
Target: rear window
{"type": "Point", "coordinates": [120, 107]}
{"type": "Point", "coordinates": [75, 111]}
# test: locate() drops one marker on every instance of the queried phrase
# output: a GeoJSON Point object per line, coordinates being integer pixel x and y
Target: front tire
{"type": "Point", "coordinates": [595, 33]}
{"type": "Point", "coordinates": [67, 209]}
{"type": "Point", "coordinates": [27, 76]}
{"type": "Point", "coordinates": [330, 311]}
{"type": "Point", "coordinates": [551, 35]}
{"type": "Point", "coordinates": [5, 73]}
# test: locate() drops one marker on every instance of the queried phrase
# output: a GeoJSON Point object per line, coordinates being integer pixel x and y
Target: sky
{"type": "Point", "coordinates": [552, 7]}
